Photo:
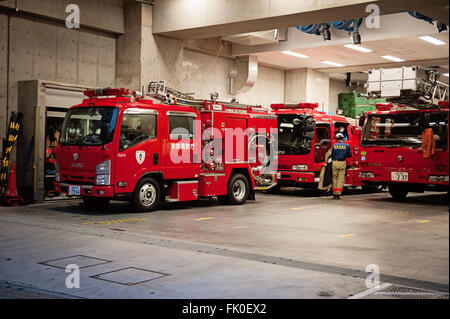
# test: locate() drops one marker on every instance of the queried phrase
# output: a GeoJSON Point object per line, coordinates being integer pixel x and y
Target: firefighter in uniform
{"type": "Point", "coordinates": [339, 153]}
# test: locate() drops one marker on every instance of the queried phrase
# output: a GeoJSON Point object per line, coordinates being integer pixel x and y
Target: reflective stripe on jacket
{"type": "Point", "coordinates": [340, 151]}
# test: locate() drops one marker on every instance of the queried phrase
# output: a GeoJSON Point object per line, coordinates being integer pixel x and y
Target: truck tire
{"type": "Point", "coordinates": [238, 189]}
{"type": "Point", "coordinates": [398, 192]}
{"type": "Point", "coordinates": [96, 202]}
{"type": "Point", "coordinates": [147, 195]}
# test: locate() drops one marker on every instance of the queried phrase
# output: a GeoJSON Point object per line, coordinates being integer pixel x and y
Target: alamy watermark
{"type": "Point", "coordinates": [373, 19]}
{"type": "Point", "coordinates": [73, 19]}
{"type": "Point", "coordinates": [73, 279]}
{"type": "Point", "coordinates": [373, 279]}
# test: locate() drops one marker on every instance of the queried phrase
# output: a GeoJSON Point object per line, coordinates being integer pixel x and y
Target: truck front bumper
{"type": "Point", "coordinates": [297, 177]}
{"type": "Point", "coordinates": [414, 177]}
{"type": "Point", "coordinates": [85, 190]}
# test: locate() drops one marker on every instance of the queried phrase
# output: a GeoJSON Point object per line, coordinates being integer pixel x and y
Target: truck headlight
{"type": "Point", "coordinates": [438, 178]}
{"type": "Point", "coordinates": [57, 177]}
{"type": "Point", "coordinates": [366, 175]}
{"type": "Point", "coordinates": [103, 173]}
{"type": "Point", "coordinates": [103, 179]}
{"type": "Point", "coordinates": [103, 167]}
{"type": "Point", "coordinates": [300, 167]}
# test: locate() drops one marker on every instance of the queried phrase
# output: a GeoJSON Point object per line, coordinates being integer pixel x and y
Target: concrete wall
{"type": "Point", "coordinates": [46, 50]}
{"type": "Point", "coordinates": [104, 15]}
{"type": "Point", "coordinates": [3, 74]}
{"type": "Point", "coordinates": [336, 87]}
{"type": "Point", "coordinates": [42, 48]}
{"type": "Point", "coordinates": [196, 72]}
{"type": "Point", "coordinates": [202, 74]}
{"type": "Point", "coordinates": [307, 85]}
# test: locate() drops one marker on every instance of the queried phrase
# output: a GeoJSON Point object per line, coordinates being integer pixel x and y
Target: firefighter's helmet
{"type": "Point", "coordinates": [339, 136]}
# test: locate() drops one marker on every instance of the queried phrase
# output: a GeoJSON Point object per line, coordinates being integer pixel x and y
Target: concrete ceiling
{"type": "Point", "coordinates": [195, 19]}
{"type": "Point", "coordinates": [397, 36]}
{"type": "Point", "coordinates": [409, 49]}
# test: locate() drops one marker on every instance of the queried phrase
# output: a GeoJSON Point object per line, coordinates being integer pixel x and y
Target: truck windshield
{"type": "Point", "coordinates": [89, 126]}
{"type": "Point", "coordinates": [295, 134]}
{"type": "Point", "coordinates": [405, 129]}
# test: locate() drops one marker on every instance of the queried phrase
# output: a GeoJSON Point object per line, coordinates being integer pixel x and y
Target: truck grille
{"type": "Point", "coordinates": [78, 180]}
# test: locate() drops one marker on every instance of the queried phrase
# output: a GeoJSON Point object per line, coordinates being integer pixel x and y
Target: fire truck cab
{"type": "Point", "coordinates": [392, 154]}
{"type": "Point", "coordinates": [117, 145]}
{"type": "Point", "coordinates": [305, 135]}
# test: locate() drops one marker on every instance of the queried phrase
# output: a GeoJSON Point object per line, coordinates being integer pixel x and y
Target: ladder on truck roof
{"type": "Point", "coordinates": [160, 91]}
{"type": "Point", "coordinates": [414, 86]}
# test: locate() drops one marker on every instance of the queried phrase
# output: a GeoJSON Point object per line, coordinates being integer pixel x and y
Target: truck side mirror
{"type": "Point", "coordinates": [361, 119]}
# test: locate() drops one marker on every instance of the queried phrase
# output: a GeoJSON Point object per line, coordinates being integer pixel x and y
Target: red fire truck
{"type": "Point", "coordinates": [391, 152]}
{"type": "Point", "coordinates": [119, 145]}
{"type": "Point", "coordinates": [304, 137]}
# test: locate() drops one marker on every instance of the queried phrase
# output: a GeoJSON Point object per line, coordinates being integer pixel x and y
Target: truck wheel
{"type": "Point", "coordinates": [147, 195]}
{"type": "Point", "coordinates": [96, 202]}
{"type": "Point", "coordinates": [238, 189]}
{"type": "Point", "coordinates": [397, 192]}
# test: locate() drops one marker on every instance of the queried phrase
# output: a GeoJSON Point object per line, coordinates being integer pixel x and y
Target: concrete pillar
{"type": "Point", "coordinates": [307, 85]}
{"type": "Point", "coordinates": [198, 66]}
{"type": "Point", "coordinates": [128, 59]}
{"type": "Point", "coordinates": [141, 56]}
{"type": "Point", "coordinates": [161, 57]}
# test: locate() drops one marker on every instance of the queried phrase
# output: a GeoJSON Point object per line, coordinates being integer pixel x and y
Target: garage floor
{"type": "Point", "coordinates": [290, 245]}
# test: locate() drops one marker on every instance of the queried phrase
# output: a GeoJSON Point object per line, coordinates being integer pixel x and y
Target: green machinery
{"type": "Point", "coordinates": [353, 105]}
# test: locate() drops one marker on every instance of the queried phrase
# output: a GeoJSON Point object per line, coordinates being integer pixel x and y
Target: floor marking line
{"type": "Point", "coordinates": [114, 221]}
{"type": "Point", "coordinates": [370, 291]}
{"type": "Point", "coordinates": [423, 221]}
{"type": "Point", "coordinates": [204, 218]}
{"type": "Point", "coordinates": [346, 235]}
{"type": "Point", "coordinates": [298, 208]}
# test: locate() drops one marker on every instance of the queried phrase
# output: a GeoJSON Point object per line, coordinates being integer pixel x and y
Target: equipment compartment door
{"type": "Point", "coordinates": [236, 139]}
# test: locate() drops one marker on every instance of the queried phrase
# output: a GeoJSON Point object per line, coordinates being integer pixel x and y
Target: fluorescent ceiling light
{"type": "Point", "coordinates": [432, 40]}
{"type": "Point", "coordinates": [392, 58]}
{"type": "Point", "coordinates": [357, 48]}
{"type": "Point", "coordinates": [445, 74]}
{"type": "Point", "coordinates": [332, 63]}
{"type": "Point", "coordinates": [298, 55]}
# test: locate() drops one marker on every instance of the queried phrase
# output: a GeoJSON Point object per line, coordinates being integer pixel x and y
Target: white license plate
{"type": "Point", "coordinates": [74, 190]}
{"type": "Point", "coordinates": [399, 176]}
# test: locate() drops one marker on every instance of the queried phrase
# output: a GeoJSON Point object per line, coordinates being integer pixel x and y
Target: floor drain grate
{"type": "Point", "coordinates": [129, 276]}
{"type": "Point", "coordinates": [411, 293]}
{"type": "Point", "coordinates": [79, 260]}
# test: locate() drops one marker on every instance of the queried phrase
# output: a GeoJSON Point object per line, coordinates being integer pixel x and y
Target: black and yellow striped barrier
{"type": "Point", "coordinates": [14, 128]}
